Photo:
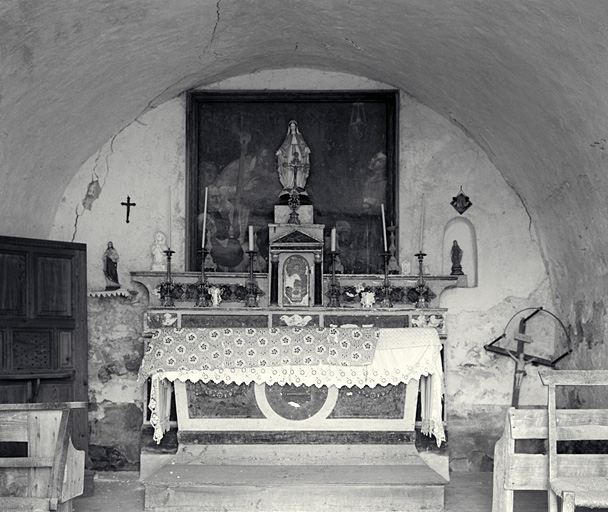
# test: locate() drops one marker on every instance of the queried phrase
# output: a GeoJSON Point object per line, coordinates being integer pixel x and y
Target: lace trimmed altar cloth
{"type": "Point", "coordinates": [342, 357]}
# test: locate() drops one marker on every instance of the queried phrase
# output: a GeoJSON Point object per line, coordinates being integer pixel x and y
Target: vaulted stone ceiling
{"type": "Point", "coordinates": [527, 80]}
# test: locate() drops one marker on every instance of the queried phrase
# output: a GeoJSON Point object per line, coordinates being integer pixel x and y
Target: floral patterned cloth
{"type": "Point", "coordinates": [343, 357]}
{"type": "Point", "coordinates": [248, 347]}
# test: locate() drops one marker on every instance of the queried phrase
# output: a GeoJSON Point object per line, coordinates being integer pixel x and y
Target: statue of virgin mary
{"type": "Point", "coordinates": [293, 161]}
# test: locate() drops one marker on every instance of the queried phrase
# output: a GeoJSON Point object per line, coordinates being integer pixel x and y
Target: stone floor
{"type": "Point", "coordinates": [467, 492]}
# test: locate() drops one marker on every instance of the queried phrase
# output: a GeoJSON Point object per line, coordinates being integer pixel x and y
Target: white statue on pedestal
{"type": "Point", "coordinates": [157, 249]}
{"type": "Point", "coordinates": [293, 161]}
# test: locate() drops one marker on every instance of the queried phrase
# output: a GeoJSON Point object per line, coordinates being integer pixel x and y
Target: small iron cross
{"type": "Point", "coordinates": [128, 204]}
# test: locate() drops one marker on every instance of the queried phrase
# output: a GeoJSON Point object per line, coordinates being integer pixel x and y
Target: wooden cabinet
{"type": "Point", "coordinates": [43, 325]}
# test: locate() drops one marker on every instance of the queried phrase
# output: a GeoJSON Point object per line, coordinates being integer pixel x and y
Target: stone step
{"type": "Point", "coordinates": [294, 488]}
{"type": "Point", "coordinates": [323, 454]}
{"type": "Point", "coordinates": [318, 454]}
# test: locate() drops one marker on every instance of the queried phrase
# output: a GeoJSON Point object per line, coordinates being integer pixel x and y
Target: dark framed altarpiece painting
{"type": "Point", "coordinates": [232, 144]}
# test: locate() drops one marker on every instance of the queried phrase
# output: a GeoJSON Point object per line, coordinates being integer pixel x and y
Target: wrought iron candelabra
{"type": "Point", "coordinates": [334, 286]}
{"type": "Point", "coordinates": [167, 287]}
{"type": "Point", "coordinates": [421, 286]}
{"type": "Point", "coordinates": [386, 287]}
{"type": "Point", "coordinates": [252, 286]}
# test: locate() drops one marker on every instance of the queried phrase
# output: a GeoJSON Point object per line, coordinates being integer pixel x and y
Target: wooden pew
{"type": "Point", "coordinates": [51, 472]}
{"type": "Point", "coordinates": [516, 471]}
{"type": "Point", "coordinates": [580, 480]}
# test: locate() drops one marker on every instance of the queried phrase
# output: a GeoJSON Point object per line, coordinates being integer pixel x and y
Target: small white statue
{"type": "Point", "coordinates": [368, 299]}
{"type": "Point", "coordinates": [157, 249]}
{"type": "Point", "coordinates": [216, 296]}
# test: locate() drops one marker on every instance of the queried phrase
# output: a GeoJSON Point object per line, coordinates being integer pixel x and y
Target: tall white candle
{"type": "Point", "coordinates": [251, 238]}
{"type": "Point", "coordinates": [169, 237]}
{"type": "Point", "coordinates": [333, 239]}
{"type": "Point", "coordinates": [421, 222]}
{"type": "Point", "coordinates": [205, 218]}
{"type": "Point", "coordinates": [384, 228]}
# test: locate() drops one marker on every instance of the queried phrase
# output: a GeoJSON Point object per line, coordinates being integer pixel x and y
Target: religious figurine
{"type": "Point", "coordinates": [368, 299]}
{"type": "Point", "coordinates": [293, 162]}
{"type": "Point", "coordinates": [110, 267]}
{"type": "Point", "coordinates": [216, 296]}
{"type": "Point", "coordinates": [157, 249]}
{"type": "Point", "coordinates": [456, 259]}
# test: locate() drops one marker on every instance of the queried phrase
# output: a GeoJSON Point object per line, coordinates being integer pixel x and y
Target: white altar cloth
{"type": "Point", "coordinates": [400, 355]}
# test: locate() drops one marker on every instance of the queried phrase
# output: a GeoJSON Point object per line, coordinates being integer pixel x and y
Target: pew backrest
{"type": "Point", "coordinates": [50, 469]}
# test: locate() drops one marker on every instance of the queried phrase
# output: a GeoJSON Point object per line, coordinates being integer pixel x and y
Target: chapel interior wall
{"type": "Point", "coordinates": [146, 160]}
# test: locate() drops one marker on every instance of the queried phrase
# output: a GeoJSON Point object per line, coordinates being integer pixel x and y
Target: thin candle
{"type": "Point", "coordinates": [421, 223]}
{"type": "Point", "coordinates": [251, 238]}
{"type": "Point", "coordinates": [333, 239]}
{"type": "Point", "coordinates": [384, 228]}
{"type": "Point", "coordinates": [205, 218]}
{"type": "Point", "coordinates": [169, 237]}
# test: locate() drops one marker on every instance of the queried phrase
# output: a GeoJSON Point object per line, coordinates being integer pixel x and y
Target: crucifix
{"type": "Point", "coordinates": [128, 204]}
{"type": "Point", "coordinates": [520, 356]}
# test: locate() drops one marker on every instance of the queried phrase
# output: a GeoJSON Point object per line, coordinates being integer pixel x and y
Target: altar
{"type": "Point", "coordinates": [283, 364]}
{"type": "Point", "coordinates": [294, 365]}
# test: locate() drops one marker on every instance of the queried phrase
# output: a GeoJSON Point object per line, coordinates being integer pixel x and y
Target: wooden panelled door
{"type": "Point", "coordinates": [43, 325]}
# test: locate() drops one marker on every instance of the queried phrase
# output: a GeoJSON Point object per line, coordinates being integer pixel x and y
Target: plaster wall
{"type": "Point", "coordinates": [146, 160]}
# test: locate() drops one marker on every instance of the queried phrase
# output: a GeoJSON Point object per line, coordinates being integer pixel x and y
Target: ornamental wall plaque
{"type": "Point", "coordinates": [461, 202]}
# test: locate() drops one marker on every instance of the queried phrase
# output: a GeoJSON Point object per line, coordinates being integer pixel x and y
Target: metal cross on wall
{"type": "Point", "coordinates": [520, 356]}
{"type": "Point", "coordinates": [128, 204]}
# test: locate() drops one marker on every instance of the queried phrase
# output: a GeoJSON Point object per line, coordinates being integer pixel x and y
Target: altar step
{"type": "Point", "coordinates": [321, 478]}
{"type": "Point", "coordinates": [312, 488]}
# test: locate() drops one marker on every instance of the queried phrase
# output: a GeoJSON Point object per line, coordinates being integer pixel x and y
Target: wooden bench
{"type": "Point", "coordinates": [50, 471]}
{"type": "Point", "coordinates": [578, 479]}
{"type": "Point", "coordinates": [514, 470]}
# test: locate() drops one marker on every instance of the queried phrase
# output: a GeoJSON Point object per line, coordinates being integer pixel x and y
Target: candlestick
{"type": "Point", "coordinates": [386, 301]}
{"type": "Point", "coordinates": [251, 285]}
{"type": "Point", "coordinates": [333, 239]}
{"type": "Point", "coordinates": [384, 228]}
{"type": "Point", "coordinates": [204, 221]}
{"type": "Point", "coordinates": [169, 237]}
{"type": "Point", "coordinates": [334, 288]}
{"type": "Point", "coordinates": [421, 223]}
{"type": "Point", "coordinates": [250, 238]}
{"type": "Point", "coordinates": [166, 288]}
{"type": "Point", "coordinates": [421, 286]}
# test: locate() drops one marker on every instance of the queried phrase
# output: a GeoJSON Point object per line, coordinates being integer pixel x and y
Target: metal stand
{"type": "Point", "coordinates": [421, 286]}
{"type": "Point", "coordinates": [252, 286]}
{"type": "Point", "coordinates": [167, 287]}
{"type": "Point", "coordinates": [386, 301]}
{"type": "Point", "coordinates": [202, 286]}
{"type": "Point", "coordinates": [334, 286]}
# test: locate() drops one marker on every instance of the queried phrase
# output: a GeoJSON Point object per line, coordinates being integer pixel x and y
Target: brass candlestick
{"type": "Point", "coordinates": [252, 286]}
{"type": "Point", "coordinates": [386, 301]}
{"type": "Point", "coordinates": [167, 287]}
{"type": "Point", "coordinates": [421, 286]}
{"type": "Point", "coordinates": [334, 286]}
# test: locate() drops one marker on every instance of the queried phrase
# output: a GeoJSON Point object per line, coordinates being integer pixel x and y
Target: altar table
{"type": "Point", "coordinates": [310, 356]}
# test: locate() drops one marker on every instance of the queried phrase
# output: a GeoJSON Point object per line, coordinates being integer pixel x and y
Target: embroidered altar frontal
{"type": "Point", "coordinates": [295, 378]}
